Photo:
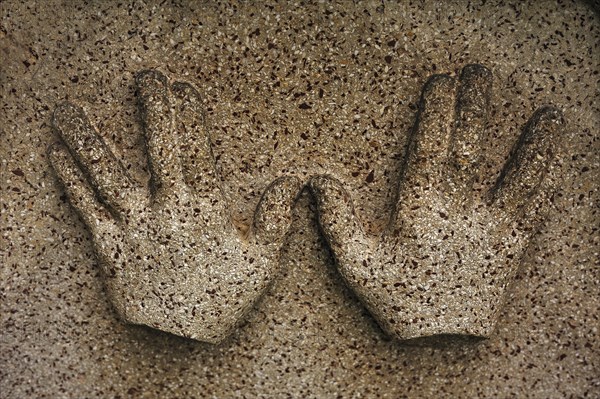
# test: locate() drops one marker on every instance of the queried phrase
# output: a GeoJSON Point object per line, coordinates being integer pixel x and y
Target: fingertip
{"type": "Point", "coordinates": [475, 71]}
{"type": "Point", "coordinates": [285, 187]}
{"type": "Point", "coordinates": [64, 113]}
{"type": "Point", "coordinates": [545, 124]}
{"type": "Point", "coordinates": [190, 102]}
{"type": "Point", "coordinates": [282, 193]}
{"type": "Point", "coordinates": [439, 84]}
{"type": "Point", "coordinates": [548, 114]}
{"type": "Point", "coordinates": [151, 87]}
{"type": "Point", "coordinates": [148, 77]}
{"type": "Point", "coordinates": [278, 198]}
{"type": "Point", "coordinates": [186, 91]}
{"type": "Point", "coordinates": [475, 91]}
{"type": "Point", "coordinates": [322, 184]}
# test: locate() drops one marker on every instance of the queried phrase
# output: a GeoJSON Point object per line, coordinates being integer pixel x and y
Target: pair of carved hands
{"type": "Point", "coordinates": [174, 260]}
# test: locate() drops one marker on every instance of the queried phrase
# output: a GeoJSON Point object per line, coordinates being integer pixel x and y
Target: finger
{"type": "Point", "coordinates": [472, 105]}
{"type": "Point", "coordinates": [157, 121]}
{"type": "Point", "coordinates": [529, 161]}
{"type": "Point", "coordinates": [428, 149]}
{"type": "Point", "coordinates": [274, 213]}
{"type": "Point", "coordinates": [537, 209]}
{"type": "Point", "coordinates": [105, 172]}
{"type": "Point", "coordinates": [337, 219]}
{"type": "Point", "coordinates": [80, 194]}
{"type": "Point", "coordinates": [197, 159]}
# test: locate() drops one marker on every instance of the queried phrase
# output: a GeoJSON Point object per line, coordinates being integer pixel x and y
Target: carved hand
{"type": "Point", "coordinates": [172, 258]}
{"type": "Point", "coordinates": [443, 264]}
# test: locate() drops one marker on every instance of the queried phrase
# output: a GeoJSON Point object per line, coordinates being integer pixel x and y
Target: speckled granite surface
{"type": "Point", "coordinates": [301, 89]}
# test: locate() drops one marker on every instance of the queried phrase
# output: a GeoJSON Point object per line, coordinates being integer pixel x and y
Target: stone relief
{"type": "Point", "coordinates": [172, 258]}
{"type": "Point", "coordinates": [443, 264]}
{"type": "Point", "coordinates": [174, 261]}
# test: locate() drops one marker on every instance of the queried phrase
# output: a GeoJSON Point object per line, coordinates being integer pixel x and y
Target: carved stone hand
{"type": "Point", "coordinates": [443, 264]}
{"type": "Point", "coordinates": [171, 256]}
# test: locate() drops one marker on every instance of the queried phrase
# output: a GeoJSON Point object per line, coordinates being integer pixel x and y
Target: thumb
{"type": "Point", "coordinates": [274, 212]}
{"type": "Point", "coordinates": [339, 223]}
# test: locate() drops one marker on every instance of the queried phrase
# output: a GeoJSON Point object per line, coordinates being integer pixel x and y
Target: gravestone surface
{"type": "Point", "coordinates": [294, 89]}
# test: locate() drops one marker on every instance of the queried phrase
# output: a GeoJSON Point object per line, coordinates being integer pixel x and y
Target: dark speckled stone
{"type": "Point", "coordinates": [442, 265]}
{"type": "Point", "coordinates": [171, 257]}
{"type": "Point", "coordinates": [292, 89]}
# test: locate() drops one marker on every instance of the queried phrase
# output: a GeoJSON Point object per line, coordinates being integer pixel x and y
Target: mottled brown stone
{"type": "Point", "coordinates": [443, 264]}
{"type": "Point", "coordinates": [171, 256]}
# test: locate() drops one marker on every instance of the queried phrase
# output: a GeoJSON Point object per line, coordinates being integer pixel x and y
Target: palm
{"type": "Point", "coordinates": [172, 258]}
{"type": "Point", "coordinates": [444, 262]}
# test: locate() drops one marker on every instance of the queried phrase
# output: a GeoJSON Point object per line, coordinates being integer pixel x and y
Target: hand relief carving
{"type": "Point", "coordinates": [443, 264]}
{"type": "Point", "coordinates": [171, 256]}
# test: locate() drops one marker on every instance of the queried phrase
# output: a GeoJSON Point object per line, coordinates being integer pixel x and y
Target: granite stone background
{"type": "Point", "coordinates": [298, 88]}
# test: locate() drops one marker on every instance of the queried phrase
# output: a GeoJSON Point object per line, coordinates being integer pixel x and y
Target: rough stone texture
{"type": "Point", "coordinates": [442, 264]}
{"type": "Point", "coordinates": [292, 89]}
{"type": "Point", "coordinates": [170, 254]}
